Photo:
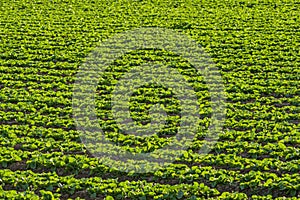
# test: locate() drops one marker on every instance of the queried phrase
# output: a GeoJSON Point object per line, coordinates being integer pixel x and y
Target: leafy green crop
{"type": "Point", "coordinates": [255, 46]}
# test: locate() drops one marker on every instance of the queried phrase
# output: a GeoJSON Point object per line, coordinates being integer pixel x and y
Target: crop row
{"type": "Point", "coordinates": [176, 174]}
{"type": "Point", "coordinates": [10, 156]}
{"type": "Point", "coordinates": [98, 187]}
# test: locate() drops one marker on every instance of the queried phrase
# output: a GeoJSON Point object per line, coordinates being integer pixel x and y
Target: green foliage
{"type": "Point", "coordinates": [255, 45]}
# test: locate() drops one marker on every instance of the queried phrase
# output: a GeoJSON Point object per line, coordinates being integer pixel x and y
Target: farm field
{"type": "Point", "coordinates": [255, 45]}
